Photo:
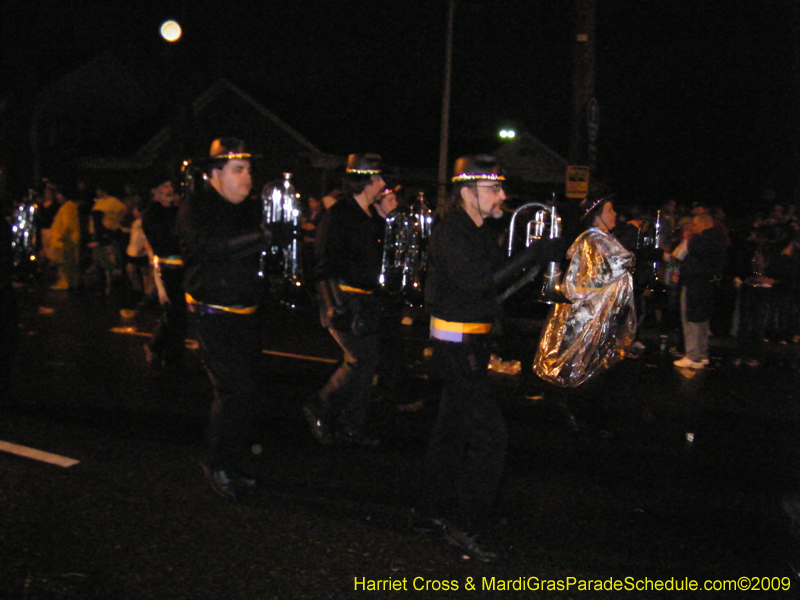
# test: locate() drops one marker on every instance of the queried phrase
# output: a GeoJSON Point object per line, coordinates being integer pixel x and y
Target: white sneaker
{"type": "Point", "coordinates": [687, 363]}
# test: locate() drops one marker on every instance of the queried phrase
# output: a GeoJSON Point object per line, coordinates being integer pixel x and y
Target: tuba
{"type": "Point", "coordinates": [404, 253]}
{"type": "Point", "coordinates": [281, 213]}
{"type": "Point", "coordinates": [191, 178]}
{"type": "Point", "coordinates": [545, 221]}
{"type": "Point", "coordinates": [649, 255]}
{"type": "Point", "coordinates": [24, 235]}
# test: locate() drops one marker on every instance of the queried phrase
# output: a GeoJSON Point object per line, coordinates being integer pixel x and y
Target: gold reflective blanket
{"type": "Point", "coordinates": [582, 339]}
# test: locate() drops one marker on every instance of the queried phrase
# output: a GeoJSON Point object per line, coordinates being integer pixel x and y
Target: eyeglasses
{"type": "Point", "coordinates": [495, 187]}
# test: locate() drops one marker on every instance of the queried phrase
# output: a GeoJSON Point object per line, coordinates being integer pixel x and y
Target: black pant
{"type": "Point", "coordinates": [170, 334]}
{"type": "Point", "coordinates": [754, 309]}
{"type": "Point", "coordinates": [467, 448]}
{"type": "Point", "coordinates": [348, 391]}
{"type": "Point", "coordinates": [231, 348]}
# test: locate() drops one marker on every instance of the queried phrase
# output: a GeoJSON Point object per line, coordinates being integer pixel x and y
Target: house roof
{"type": "Point", "coordinates": [528, 158]}
{"type": "Point", "coordinates": [222, 95]}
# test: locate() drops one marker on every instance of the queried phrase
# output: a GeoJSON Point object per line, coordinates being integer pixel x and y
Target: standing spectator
{"type": "Point", "coordinates": [132, 199]}
{"type": "Point", "coordinates": [108, 214]}
{"type": "Point", "coordinates": [65, 243]}
{"type": "Point", "coordinates": [702, 265]}
{"type": "Point", "coordinates": [137, 259]}
{"type": "Point", "coordinates": [82, 196]}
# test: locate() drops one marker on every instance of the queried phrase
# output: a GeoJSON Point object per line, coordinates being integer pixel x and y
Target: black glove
{"type": "Point", "coordinates": [249, 243]}
{"type": "Point", "coordinates": [542, 252]}
{"type": "Point", "coordinates": [552, 250]}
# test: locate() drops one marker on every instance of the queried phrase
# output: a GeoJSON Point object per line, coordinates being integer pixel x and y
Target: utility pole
{"type": "Point", "coordinates": [582, 149]}
{"type": "Point", "coordinates": [445, 130]}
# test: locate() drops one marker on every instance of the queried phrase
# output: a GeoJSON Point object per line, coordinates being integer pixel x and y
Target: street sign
{"type": "Point", "coordinates": [577, 181]}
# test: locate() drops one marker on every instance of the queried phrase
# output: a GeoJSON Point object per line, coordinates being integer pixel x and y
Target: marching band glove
{"type": "Point", "coordinates": [542, 252]}
{"type": "Point", "coordinates": [254, 242]}
{"type": "Point", "coordinates": [242, 245]}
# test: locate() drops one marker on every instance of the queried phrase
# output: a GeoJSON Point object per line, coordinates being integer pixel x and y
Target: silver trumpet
{"type": "Point", "coordinates": [545, 221]}
{"type": "Point", "coordinates": [281, 217]}
{"type": "Point", "coordinates": [404, 253]}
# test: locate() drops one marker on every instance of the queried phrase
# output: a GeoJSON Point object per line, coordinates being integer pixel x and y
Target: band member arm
{"type": "Point", "coordinates": [330, 296]}
{"type": "Point", "coordinates": [543, 251]}
{"type": "Point", "coordinates": [242, 245]}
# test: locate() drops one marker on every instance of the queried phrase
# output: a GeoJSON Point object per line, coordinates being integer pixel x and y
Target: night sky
{"type": "Point", "coordinates": [697, 98]}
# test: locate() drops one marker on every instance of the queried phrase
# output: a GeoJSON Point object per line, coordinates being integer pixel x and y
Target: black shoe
{"type": "Point", "coordinates": [585, 428]}
{"type": "Point", "coordinates": [468, 543]}
{"type": "Point", "coordinates": [356, 438]}
{"type": "Point", "coordinates": [422, 523]}
{"type": "Point", "coordinates": [319, 425]}
{"type": "Point", "coordinates": [242, 480]}
{"type": "Point", "coordinates": [153, 359]}
{"type": "Point", "coordinates": [221, 483]}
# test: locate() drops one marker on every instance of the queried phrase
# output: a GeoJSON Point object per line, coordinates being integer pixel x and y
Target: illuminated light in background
{"type": "Point", "coordinates": [170, 31]}
{"type": "Point", "coordinates": [508, 134]}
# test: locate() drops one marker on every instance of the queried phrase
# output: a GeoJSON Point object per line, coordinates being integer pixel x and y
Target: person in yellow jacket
{"type": "Point", "coordinates": [65, 244]}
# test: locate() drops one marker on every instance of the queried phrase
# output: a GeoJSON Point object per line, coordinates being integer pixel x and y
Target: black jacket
{"type": "Point", "coordinates": [463, 259]}
{"type": "Point", "coordinates": [160, 225]}
{"type": "Point", "coordinates": [349, 248]}
{"type": "Point", "coordinates": [221, 244]}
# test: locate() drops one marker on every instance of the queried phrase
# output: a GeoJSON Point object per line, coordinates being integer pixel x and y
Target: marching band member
{"type": "Point", "coordinates": [592, 333]}
{"type": "Point", "coordinates": [349, 253]}
{"type": "Point", "coordinates": [160, 223]}
{"type": "Point", "coordinates": [467, 446]}
{"type": "Point", "coordinates": [221, 241]}
{"type": "Point", "coordinates": [581, 341]}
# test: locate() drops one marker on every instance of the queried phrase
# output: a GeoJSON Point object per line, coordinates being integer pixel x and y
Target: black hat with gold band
{"type": "Point", "coordinates": [364, 164]}
{"type": "Point", "coordinates": [228, 148]}
{"type": "Point", "coordinates": [593, 201]}
{"type": "Point", "coordinates": [477, 167]}
{"type": "Point", "coordinates": [224, 149]}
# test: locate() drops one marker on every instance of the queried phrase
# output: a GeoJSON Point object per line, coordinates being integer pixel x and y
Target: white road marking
{"type": "Point", "coordinates": [53, 459]}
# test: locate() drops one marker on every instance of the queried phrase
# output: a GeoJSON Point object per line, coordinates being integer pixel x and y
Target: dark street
{"type": "Point", "coordinates": [687, 490]}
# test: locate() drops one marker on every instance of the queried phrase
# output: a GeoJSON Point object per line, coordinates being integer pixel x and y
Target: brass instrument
{"type": "Point", "coordinates": [192, 176]}
{"type": "Point", "coordinates": [24, 234]}
{"type": "Point", "coordinates": [404, 256]}
{"type": "Point", "coordinates": [281, 217]}
{"type": "Point", "coordinates": [649, 255]}
{"type": "Point", "coordinates": [545, 221]}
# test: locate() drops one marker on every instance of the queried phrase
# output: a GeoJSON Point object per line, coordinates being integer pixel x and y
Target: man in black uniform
{"type": "Point", "coordinates": [467, 446]}
{"type": "Point", "coordinates": [160, 224]}
{"type": "Point", "coordinates": [221, 241]}
{"type": "Point", "coordinates": [349, 254]}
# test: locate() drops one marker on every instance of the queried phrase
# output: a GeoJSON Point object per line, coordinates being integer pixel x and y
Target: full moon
{"type": "Point", "coordinates": [171, 31]}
